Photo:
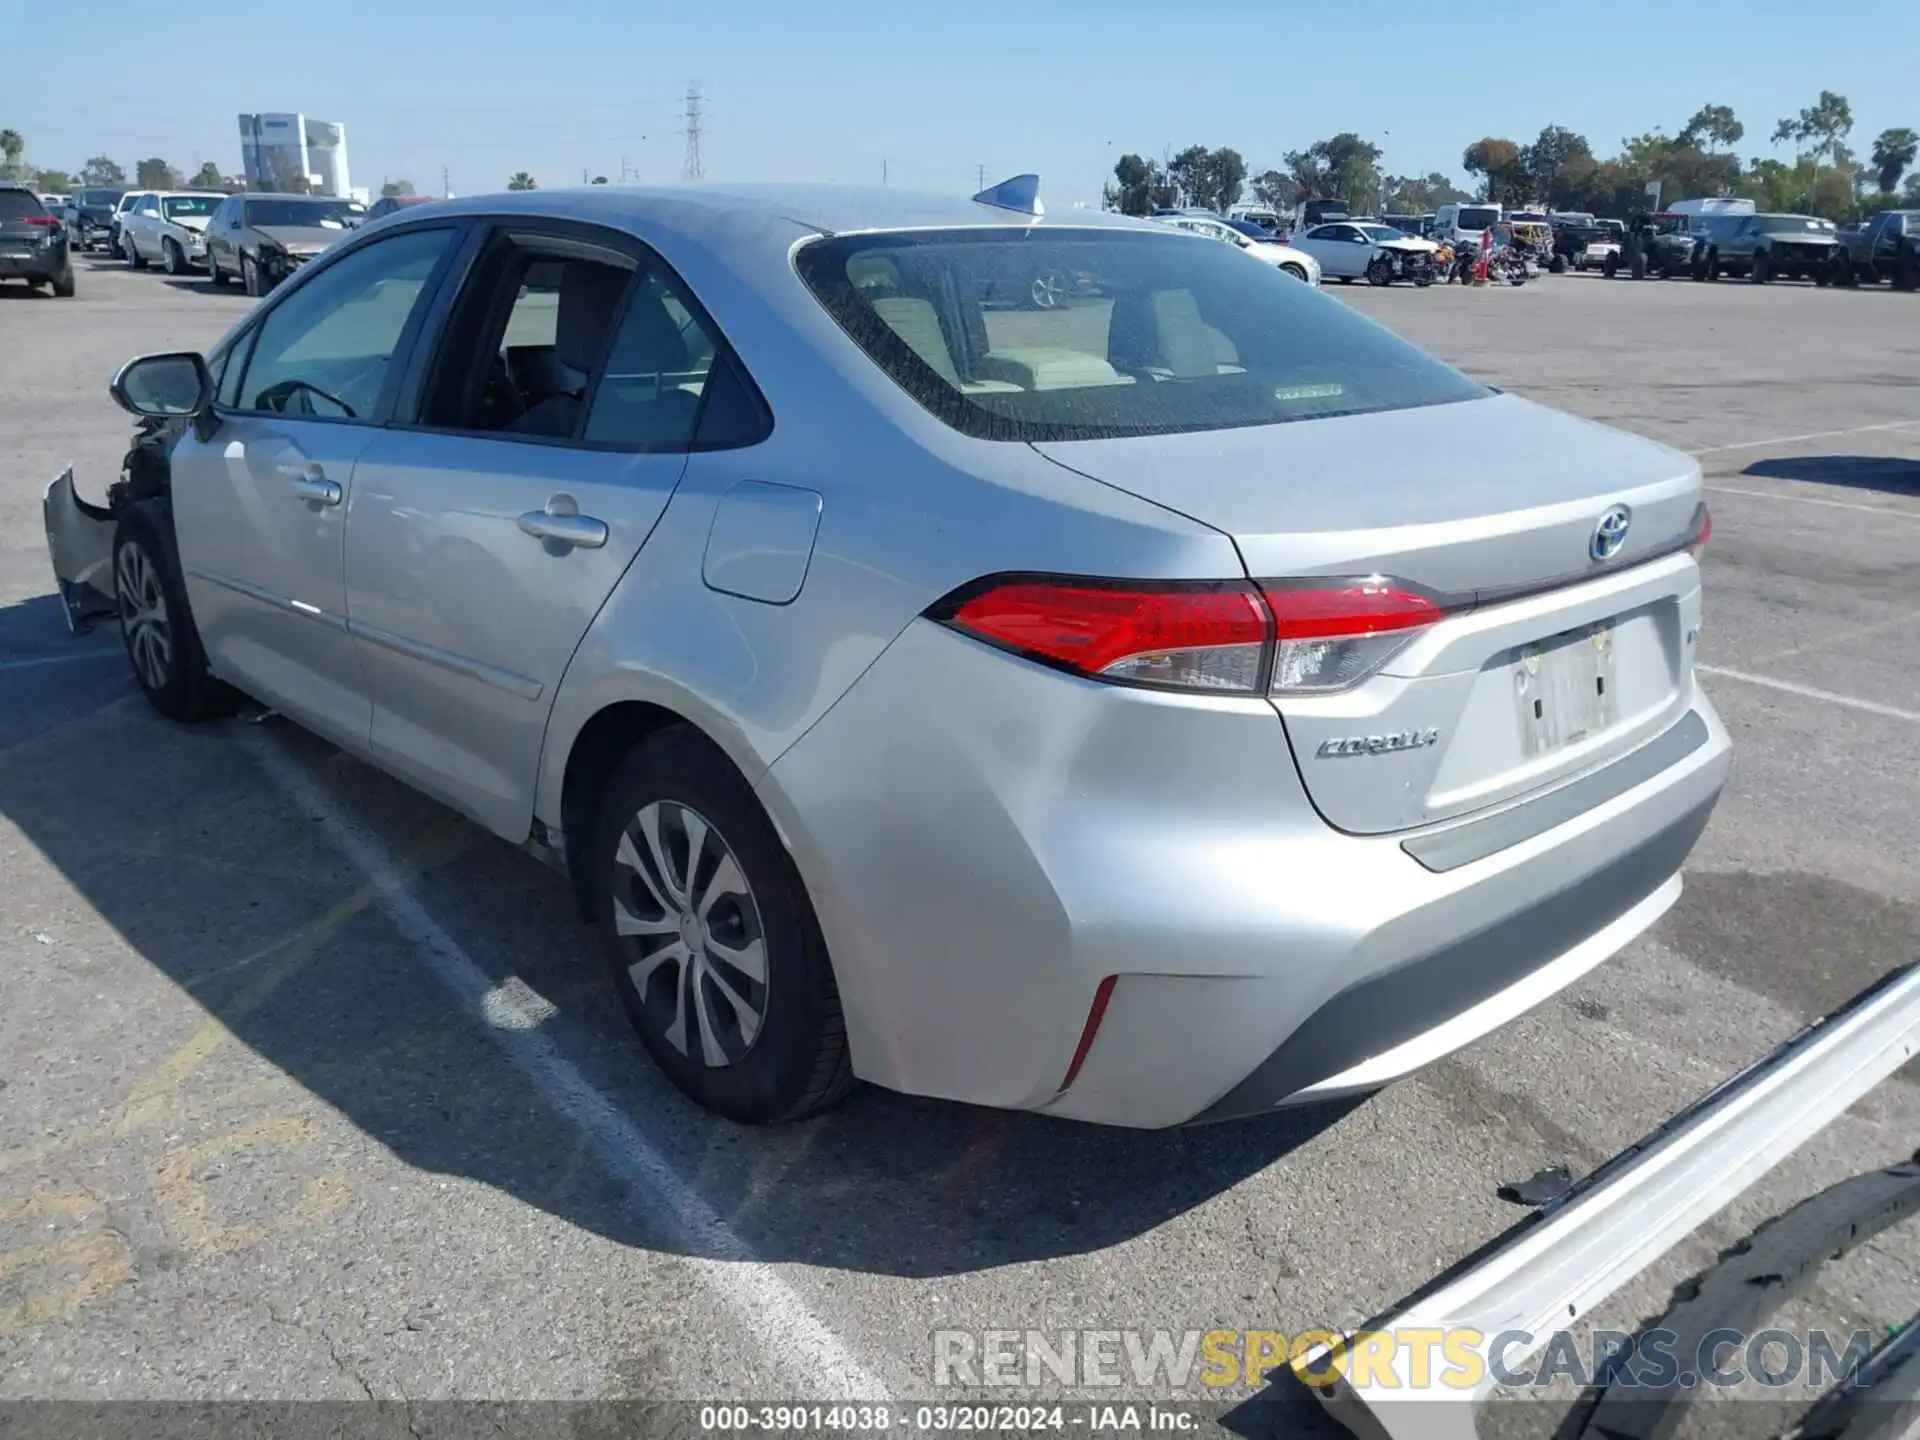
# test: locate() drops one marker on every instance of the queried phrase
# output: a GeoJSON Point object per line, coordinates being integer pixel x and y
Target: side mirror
{"type": "Point", "coordinates": [170, 386]}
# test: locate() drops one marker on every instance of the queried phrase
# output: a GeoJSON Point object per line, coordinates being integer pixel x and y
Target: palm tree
{"type": "Point", "coordinates": [521, 180]}
{"type": "Point", "coordinates": [1893, 152]}
{"type": "Point", "coordinates": [12, 145]}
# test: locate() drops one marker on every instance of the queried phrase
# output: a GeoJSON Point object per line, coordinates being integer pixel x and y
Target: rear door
{"type": "Point", "coordinates": [543, 444]}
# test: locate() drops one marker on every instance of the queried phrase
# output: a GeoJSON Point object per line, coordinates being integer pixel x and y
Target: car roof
{"type": "Point", "coordinates": [828, 209]}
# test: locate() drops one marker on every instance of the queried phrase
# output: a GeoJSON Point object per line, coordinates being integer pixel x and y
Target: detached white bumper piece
{"type": "Point", "coordinates": [80, 544]}
{"type": "Point", "coordinates": [1553, 1268]}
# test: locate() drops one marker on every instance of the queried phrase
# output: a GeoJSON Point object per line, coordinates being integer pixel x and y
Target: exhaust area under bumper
{"type": "Point", "coordinates": [1562, 1261]}
{"type": "Point", "coordinates": [80, 544]}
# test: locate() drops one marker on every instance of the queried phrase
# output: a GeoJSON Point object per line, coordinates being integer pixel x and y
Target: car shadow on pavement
{"type": "Point", "coordinates": [1889, 473]}
{"type": "Point", "coordinates": [219, 879]}
{"type": "Point", "coordinates": [14, 290]}
{"type": "Point", "coordinates": [197, 284]}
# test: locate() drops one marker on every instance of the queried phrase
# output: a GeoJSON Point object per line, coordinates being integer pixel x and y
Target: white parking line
{"type": "Point", "coordinates": [1814, 500]}
{"type": "Point", "coordinates": [769, 1309]}
{"type": "Point", "coordinates": [34, 662]}
{"type": "Point", "coordinates": [1852, 702]}
{"type": "Point", "coordinates": [1810, 435]}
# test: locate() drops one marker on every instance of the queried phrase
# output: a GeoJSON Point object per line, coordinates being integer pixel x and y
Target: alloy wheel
{"type": "Point", "coordinates": [143, 617]}
{"type": "Point", "coordinates": [1049, 291]}
{"type": "Point", "coordinates": [684, 908]}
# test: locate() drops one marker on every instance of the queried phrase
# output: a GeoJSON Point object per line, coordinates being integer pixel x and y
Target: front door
{"type": "Point", "coordinates": [551, 431]}
{"type": "Point", "coordinates": [260, 494]}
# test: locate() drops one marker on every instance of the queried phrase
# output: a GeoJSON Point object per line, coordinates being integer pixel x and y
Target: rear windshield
{"type": "Point", "coordinates": [19, 204]}
{"type": "Point", "coordinates": [332, 214]}
{"type": "Point", "coordinates": [98, 197]}
{"type": "Point", "coordinates": [1064, 334]}
{"type": "Point", "coordinates": [1478, 217]}
{"type": "Point", "coordinates": [1794, 222]}
{"type": "Point", "coordinates": [1580, 220]}
{"type": "Point", "coordinates": [176, 205]}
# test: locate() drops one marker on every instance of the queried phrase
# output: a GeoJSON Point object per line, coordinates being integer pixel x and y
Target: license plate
{"type": "Point", "coordinates": [1564, 688]}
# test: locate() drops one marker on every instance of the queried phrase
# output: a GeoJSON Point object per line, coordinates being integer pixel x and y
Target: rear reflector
{"type": "Point", "coordinates": [1285, 636]}
{"type": "Point", "coordinates": [1095, 1014]}
{"type": "Point", "coordinates": [1185, 637]}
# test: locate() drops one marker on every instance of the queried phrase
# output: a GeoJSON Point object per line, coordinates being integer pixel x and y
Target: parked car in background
{"type": "Point", "coordinates": [1455, 223]}
{"type": "Point", "coordinates": [1245, 236]}
{"type": "Point", "coordinates": [1350, 250]}
{"type": "Point", "coordinates": [1654, 245]}
{"type": "Point", "coordinates": [1773, 247]}
{"type": "Point", "coordinates": [126, 203]}
{"type": "Point", "coordinates": [168, 227]}
{"type": "Point", "coordinates": [261, 239]}
{"type": "Point", "coordinates": [1573, 231]}
{"type": "Point", "coordinates": [388, 204]}
{"type": "Point", "coordinates": [33, 242]}
{"type": "Point", "coordinates": [1886, 247]}
{"type": "Point", "coordinates": [1415, 225]}
{"type": "Point", "coordinates": [1263, 244]}
{"type": "Point", "coordinates": [713, 540]}
{"type": "Point", "coordinates": [91, 223]}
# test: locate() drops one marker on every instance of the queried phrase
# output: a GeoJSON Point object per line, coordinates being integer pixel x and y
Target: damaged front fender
{"type": "Point", "coordinates": [80, 543]}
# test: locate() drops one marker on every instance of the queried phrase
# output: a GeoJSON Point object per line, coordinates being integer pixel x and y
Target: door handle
{"type": "Point", "coordinates": [561, 525]}
{"type": "Point", "coordinates": [317, 488]}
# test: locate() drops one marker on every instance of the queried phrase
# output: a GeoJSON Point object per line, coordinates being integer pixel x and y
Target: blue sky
{"type": "Point", "coordinates": [915, 91]}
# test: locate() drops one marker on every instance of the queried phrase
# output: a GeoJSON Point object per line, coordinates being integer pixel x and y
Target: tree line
{"type": "Point", "coordinates": [1559, 170]}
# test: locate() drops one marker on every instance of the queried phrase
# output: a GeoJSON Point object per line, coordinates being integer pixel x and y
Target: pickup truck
{"type": "Point", "coordinates": [1572, 233]}
{"type": "Point", "coordinates": [1887, 247]}
{"type": "Point", "coordinates": [1774, 247]}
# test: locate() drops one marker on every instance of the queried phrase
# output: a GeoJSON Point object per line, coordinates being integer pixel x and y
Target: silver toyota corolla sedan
{"type": "Point", "coordinates": [1082, 708]}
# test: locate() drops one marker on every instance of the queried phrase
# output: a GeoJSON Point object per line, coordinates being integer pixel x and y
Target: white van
{"type": "Point", "coordinates": [1463, 220]}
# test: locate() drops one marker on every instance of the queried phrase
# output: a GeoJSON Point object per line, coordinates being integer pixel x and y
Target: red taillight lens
{"type": "Point", "coordinates": [48, 220]}
{"type": "Point", "coordinates": [1335, 633]}
{"type": "Point", "coordinates": [1702, 533]}
{"type": "Point", "coordinates": [1186, 637]}
{"type": "Point", "coordinates": [1294, 636]}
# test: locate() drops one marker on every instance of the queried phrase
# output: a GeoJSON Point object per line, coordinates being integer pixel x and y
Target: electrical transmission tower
{"type": "Point", "coordinates": [691, 169]}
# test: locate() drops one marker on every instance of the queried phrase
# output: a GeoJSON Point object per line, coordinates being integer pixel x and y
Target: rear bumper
{"type": "Point", "coordinates": [48, 265]}
{"type": "Point", "coordinates": [987, 841]}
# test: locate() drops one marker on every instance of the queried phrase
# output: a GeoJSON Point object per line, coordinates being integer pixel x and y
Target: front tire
{"type": "Point", "coordinates": [711, 938]}
{"type": "Point", "coordinates": [134, 257]}
{"type": "Point", "coordinates": [156, 623]}
{"type": "Point", "coordinates": [250, 276]}
{"type": "Point", "coordinates": [1757, 273]}
{"type": "Point", "coordinates": [175, 256]}
{"type": "Point", "coordinates": [1296, 272]}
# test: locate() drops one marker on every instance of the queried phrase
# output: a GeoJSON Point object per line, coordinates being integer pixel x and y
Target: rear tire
{"type": "Point", "coordinates": [1559, 265]}
{"type": "Point", "coordinates": [1757, 272]}
{"type": "Point", "coordinates": [758, 1050]}
{"type": "Point", "coordinates": [156, 623]}
{"type": "Point", "coordinates": [63, 283]}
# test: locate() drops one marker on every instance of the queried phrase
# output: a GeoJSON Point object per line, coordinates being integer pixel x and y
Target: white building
{"type": "Point", "coordinates": [276, 150]}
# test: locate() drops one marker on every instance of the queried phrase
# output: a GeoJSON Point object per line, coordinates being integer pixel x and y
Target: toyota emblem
{"type": "Point", "coordinates": [1610, 533]}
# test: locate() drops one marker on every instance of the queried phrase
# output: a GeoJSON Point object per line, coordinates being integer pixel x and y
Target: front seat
{"type": "Point", "coordinates": [589, 305]}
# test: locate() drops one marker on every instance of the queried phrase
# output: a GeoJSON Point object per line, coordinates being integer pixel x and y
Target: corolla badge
{"type": "Point", "coordinates": [1610, 533]}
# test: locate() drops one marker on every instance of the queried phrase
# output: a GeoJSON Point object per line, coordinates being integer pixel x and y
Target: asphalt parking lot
{"type": "Point", "coordinates": [312, 1090]}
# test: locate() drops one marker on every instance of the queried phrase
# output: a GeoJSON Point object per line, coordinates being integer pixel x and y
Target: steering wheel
{"type": "Point", "coordinates": [275, 397]}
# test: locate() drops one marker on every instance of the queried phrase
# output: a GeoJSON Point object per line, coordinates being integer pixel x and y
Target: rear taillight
{"type": "Point", "coordinates": [1702, 532]}
{"type": "Point", "coordinates": [1331, 634]}
{"type": "Point", "coordinates": [1283, 636]}
{"type": "Point", "coordinates": [48, 220]}
{"type": "Point", "coordinates": [1182, 637]}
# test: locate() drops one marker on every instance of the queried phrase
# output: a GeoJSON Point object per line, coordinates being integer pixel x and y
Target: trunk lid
{"type": "Point", "coordinates": [1549, 663]}
{"type": "Point", "coordinates": [303, 239]}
